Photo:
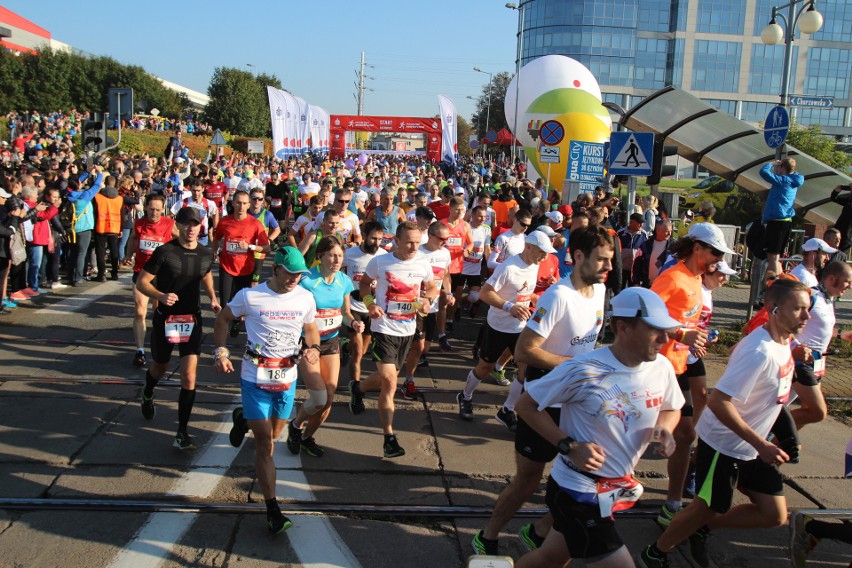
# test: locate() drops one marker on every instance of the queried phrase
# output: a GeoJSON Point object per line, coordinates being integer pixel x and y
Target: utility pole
{"type": "Point", "coordinates": [361, 87]}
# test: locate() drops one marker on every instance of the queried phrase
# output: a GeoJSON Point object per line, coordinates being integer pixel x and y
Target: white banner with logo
{"type": "Point", "coordinates": [278, 110]}
{"type": "Point", "coordinates": [449, 131]}
{"type": "Point", "coordinates": [320, 128]}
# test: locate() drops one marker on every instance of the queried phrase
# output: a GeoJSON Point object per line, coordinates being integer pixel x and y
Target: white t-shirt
{"type": "Point", "coordinates": [703, 319]}
{"type": "Point", "coordinates": [569, 322]}
{"type": "Point", "coordinates": [609, 404]}
{"type": "Point", "coordinates": [355, 263]}
{"type": "Point", "coordinates": [505, 245]}
{"type": "Point", "coordinates": [818, 330]}
{"type": "Point", "coordinates": [805, 276]}
{"type": "Point", "coordinates": [397, 290]}
{"type": "Point", "coordinates": [514, 281]}
{"type": "Point", "coordinates": [439, 260]}
{"type": "Point", "coordinates": [758, 379]}
{"type": "Point", "coordinates": [301, 225]}
{"type": "Point", "coordinates": [306, 190]}
{"type": "Point", "coordinates": [250, 184]}
{"type": "Point", "coordinates": [349, 224]}
{"type": "Point", "coordinates": [360, 195]}
{"type": "Point", "coordinates": [274, 324]}
{"type": "Point", "coordinates": [481, 238]}
{"type": "Point", "coordinates": [207, 208]}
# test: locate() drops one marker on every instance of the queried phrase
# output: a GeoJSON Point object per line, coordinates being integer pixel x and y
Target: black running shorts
{"type": "Point", "coordinates": [161, 348]}
{"type": "Point", "coordinates": [391, 349]}
{"type": "Point", "coordinates": [586, 533]}
{"type": "Point", "coordinates": [495, 342]}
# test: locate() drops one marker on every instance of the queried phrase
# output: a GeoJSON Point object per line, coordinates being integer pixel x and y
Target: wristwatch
{"type": "Point", "coordinates": [564, 445]}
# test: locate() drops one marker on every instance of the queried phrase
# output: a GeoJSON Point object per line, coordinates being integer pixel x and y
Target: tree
{"type": "Point", "coordinates": [238, 101]}
{"type": "Point", "coordinates": [814, 143]}
{"type": "Point", "coordinates": [497, 117]}
{"type": "Point", "coordinates": [464, 131]}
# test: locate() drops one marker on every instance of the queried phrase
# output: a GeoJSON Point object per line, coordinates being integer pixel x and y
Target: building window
{"type": "Point", "coordinates": [755, 112]}
{"type": "Point", "coordinates": [821, 116]}
{"type": "Point", "coordinates": [720, 16]}
{"type": "Point", "coordinates": [828, 72]}
{"type": "Point", "coordinates": [716, 66]}
{"type": "Point", "coordinates": [838, 21]}
{"type": "Point", "coordinates": [726, 106]}
{"type": "Point", "coordinates": [767, 64]}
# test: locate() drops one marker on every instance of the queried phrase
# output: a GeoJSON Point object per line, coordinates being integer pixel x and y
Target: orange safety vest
{"type": "Point", "coordinates": [109, 214]}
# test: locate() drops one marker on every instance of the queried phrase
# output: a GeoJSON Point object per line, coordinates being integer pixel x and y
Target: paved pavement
{"type": "Point", "coordinates": [70, 430]}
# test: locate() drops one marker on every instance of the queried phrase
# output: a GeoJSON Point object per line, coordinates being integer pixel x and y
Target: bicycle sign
{"type": "Point", "coordinates": [776, 126]}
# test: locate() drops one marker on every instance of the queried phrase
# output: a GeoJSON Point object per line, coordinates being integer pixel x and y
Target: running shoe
{"type": "Point", "coordinates": [294, 438]}
{"type": "Point", "coordinates": [148, 408]}
{"type": "Point", "coordinates": [500, 377]}
{"type": "Point", "coordinates": [444, 343]}
{"type": "Point", "coordinates": [57, 285]}
{"type": "Point", "coordinates": [696, 548]}
{"type": "Point", "coordinates": [277, 524]}
{"type": "Point", "coordinates": [423, 362]}
{"type": "Point", "coordinates": [529, 537]}
{"type": "Point", "coordinates": [356, 400]}
{"type": "Point", "coordinates": [648, 559]}
{"type": "Point", "coordinates": [484, 546]}
{"type": "Point", "coordinates": [183, 441]}
{"type": "Point", "coordinates": [665, 517]}
{"type": "Point", "coordinates": [801, 541]}
{"type": "Point", "coordinates": [9, 303]}
{"type": "Point", "coordinates": [409, 390]}
{"type": "Point", "coordinates": [19, 296]}
{"type": "Point", "coordinates": [465, 407]}
{"type": "Point", "coordinates": [391, 448]}
{"type": "Point", "coordinates": [139, 360]}
{"type": "Point", "coordinates": [239, 429]}
{"type": "Point", "coordinates": [310, 446]}
{"type": "Point", "coordinates": [31, 292]}
{"type": "Point", "coordinates": [507, 418]}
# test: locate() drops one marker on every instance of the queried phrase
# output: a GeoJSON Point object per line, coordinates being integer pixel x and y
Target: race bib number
{"type": "Point", "coordinates": [387, 242]}
{"type": "Point", "coordinates": [328, 321]}
{"type": "Point", "coordinates": [819, 366]}
{"type": "Point", "coordinates": [454, 242]}
{"type": "Point", "coordinates": [475, 255]}
{"type": "Point", "coordinates": [275, 202]}
{"type": "Point", "coordinates": [357, 276]}
{"type": "Point", "coordinates": [618, 494]}
{"type": "Point", "coordinates": [401, 308]}
{"type": "Point", "coordinates": [233, 247]}
{"type": "Point", "coordinates": [148, 245]}
{"type": "Point", "coordinates": [179, 328]}
{"type": "Point", "coordinates": [784, 384]}
{"type": "Point", "coordinates": [524, 299]}
{"type": "Point", "coordinates": [275, 375]}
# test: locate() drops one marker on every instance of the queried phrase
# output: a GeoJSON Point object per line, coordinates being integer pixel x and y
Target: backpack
{"type": "Point", "coordinates": [17, 248]}
{"type": "Point", "coordinates": [66, 215]}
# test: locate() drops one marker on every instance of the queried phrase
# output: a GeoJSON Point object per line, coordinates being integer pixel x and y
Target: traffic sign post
{"type": "Point", "coordinates": [551, 133]}
{"type": "Point", "coordinates": [548, 155]}
{"type": "Point", "coordinates": [775, 129]}
{"type": "Point", "coordinates": [631, 153]}
{"type": "Point", "coordinates": [806, 101]}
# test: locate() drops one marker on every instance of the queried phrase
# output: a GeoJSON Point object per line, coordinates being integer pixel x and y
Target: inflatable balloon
{"type": "Point", "coordinates": [350, 163]}
{"type": "Point", "coordinates": [555, 87]}
{"type": "Point", "coordinates": [363, 159]}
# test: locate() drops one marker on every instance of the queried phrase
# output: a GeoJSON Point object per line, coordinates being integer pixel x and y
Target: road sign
{"type": "Point", "coordinates": [631, 153]}
{"type": "Point", "coordinates": [551, 133]}
{"type": "Point", "coordinates": [474, 144]}
{"type": "Point", "coordinates": [491, 136]}
{"type": "Point", "coordinates": [776, 126]}
{"type": "Point", "coordinates": [811, 102]}
{"type": "Point", "coordinates": [120, 102]}
{"type": "Point", "coordinates": [218, 139]}
{"type": "Point", "coordinates": [549, 155]}
{"type": "Point", "coordinates": [585, 163]}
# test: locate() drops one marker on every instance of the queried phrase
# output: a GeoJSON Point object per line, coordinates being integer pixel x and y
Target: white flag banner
{"type": "Point", "coordinates": [278, 110]}
{"type": "Point", "coordinates": [318, 119]}
{"type": "Point", "coordinates": [303, 127]}
{"type": "Point", "coordinates": [449, 132]}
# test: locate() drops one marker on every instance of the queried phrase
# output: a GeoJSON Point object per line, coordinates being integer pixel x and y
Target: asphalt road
{"type": "Point", "coordinates": [86, 481]}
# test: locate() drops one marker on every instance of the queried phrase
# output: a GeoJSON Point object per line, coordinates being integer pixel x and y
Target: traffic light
{"type": "Point", "coordinates": [94, 133]}
{"type": "Point", "coordinates": [659, 169]}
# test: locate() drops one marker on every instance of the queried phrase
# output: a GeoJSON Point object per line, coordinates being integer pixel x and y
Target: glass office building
{"type": "Point", "coordinates": [710, 48]}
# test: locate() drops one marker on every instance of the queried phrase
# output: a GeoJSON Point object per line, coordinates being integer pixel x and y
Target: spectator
{"type": "Point", "coordinates": [632, 238]}
{"type": "Point", "coordinates": [778, 212]}
{"type": "Point", "coordinates": [83, 224]}
{"type": "Point", "coordinates": [649, 203]}
{"type": "Point", "coordinates": [844, 222]}
{"type": "Point", "coordinates": [653, 254]}
{"type": "Point", "coordinates": [38, 237]}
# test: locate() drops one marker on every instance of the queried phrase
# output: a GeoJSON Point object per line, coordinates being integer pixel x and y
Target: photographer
{"type": "Point", "coordinates": [844, 222]}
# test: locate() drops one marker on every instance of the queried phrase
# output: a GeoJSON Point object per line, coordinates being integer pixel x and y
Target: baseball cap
{"type": "Point", "coordinates": [724, 268]}
{"type": "Point", "coordinates": [546, 230]}
{"type": "Point", "coordinates": [188, 215]}
{"type": "Point", "coordinates": [566, 210]}
{"type": "Point", "coordinates": [555, 216]}
{"type": "Point", "coordinates": [709, 234]}
{"type": "Point", "coordinates": [818, 244]}
{"type": "Point", "coordinates": [646, 305]}
{"type": "Point", "coordinates": [291, 259]}
{"type": "Point", "coordinates": [179, 160]}
{"type": "Point", "coordinates": [541, 240]}
{"type": "Point", "coordinates": [459, 190]}
{"type": "Point", "coordinates": [4, 193]}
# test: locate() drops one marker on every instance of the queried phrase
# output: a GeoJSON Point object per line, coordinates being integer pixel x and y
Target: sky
{"type": "Point", "coordinates": [414, 50]}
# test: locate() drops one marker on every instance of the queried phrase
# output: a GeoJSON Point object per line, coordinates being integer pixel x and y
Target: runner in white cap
{"type": "Point", "coordinates": [814, 256]}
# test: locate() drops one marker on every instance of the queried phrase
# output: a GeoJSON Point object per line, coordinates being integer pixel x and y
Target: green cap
{"type": "Point", "coordinates": [291, 259]}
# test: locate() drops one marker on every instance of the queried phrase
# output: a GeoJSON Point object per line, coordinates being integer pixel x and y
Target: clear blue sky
{"type": "Point", "coordinates": [415, 50]}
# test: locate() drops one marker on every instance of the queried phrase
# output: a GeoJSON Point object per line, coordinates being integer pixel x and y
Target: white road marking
{"type": "Point", "coordinates": [313, 538]}
{"type": "Point", "coordinates": [79, 300]}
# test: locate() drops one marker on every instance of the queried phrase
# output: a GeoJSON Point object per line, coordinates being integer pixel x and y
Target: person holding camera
{"type": "Point", "coordinates": [844, 222]}
{"type": "Point", "coordinates": [778, 213]}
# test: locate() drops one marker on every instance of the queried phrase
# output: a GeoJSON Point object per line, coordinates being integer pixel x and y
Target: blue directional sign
{"type": "Point", "coordinates": [491, 136]}
{"type": "Point", "coordinates": [631, 153]}
{"type": "Point", "coordinates": [806, 101]}
{"type": "Point", "coordinates": [585, 163]}
{"type": "Point", "coordinates": [776, 126]}
{"type": "Point", "coordinates": [551, 133]}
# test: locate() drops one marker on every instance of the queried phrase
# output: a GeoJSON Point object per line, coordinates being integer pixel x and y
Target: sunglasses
{"type": "Point", "coordinates": [257, 199]}
{"type": "Point", "coordinates": [524, 225]}
{"type": "Point", "coordinates": [714, 251]}
{"type": "Point", "coordinates": [344, 200]}
{"type": "Point", "coordinates": [442, 239]}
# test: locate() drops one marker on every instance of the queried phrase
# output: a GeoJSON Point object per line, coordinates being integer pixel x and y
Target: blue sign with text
{"type": "Point", "coordinates": [585, 163]}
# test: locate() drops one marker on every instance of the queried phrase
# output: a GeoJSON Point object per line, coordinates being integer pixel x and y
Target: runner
{"type": "Point", "coordinates": [480, 234]}
{"type": "Point", "coordinates": [206, 208]}
{"type": "Point", "coordinates": [733, 451]}
{"type": "Point", "coordinates": [330, 289]}
{"type": "Point", "coordinates": [279, 196]}
{"type": "Point", "coordinates": [355, 261]}
{"type": "Point", "coordinates": [434, 252]}
{"type": "Point", "coordinates": [349, 226]}
{"type": "Point", "coordinates": [388, 216]}
{"type": "Point", "coordinates": [398, 298]}
{"type": "Point", "coordinates": [236, 240]}
{"type": "Point", "coordinates": [510, 243]}
{"type": "Point", "coordinates": [277, 312]}
{"type": "Point", "coordinates": [567, 320]}
{"type": "Point", "coordinates": [460, 245]}
{"type": "Point", "coordinates": [179, 267]}
{"type": "Point", "coordinates": [508, 292]}
{"type": "Point", "coordinates": [302, 222]}
{"type": "Point", "coordinates": [328, 227]}
{"type": "Point", "coordinates": [149, 232]}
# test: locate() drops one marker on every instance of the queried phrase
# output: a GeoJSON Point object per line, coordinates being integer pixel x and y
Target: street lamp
{"type": "Point", "coordinates": [488, 109]}
{"type": "Point", "coordinates": [521, 12]}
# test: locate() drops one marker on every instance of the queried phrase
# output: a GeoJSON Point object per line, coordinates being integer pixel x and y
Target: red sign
{"type": "Point", "coordinates": [431, 127]}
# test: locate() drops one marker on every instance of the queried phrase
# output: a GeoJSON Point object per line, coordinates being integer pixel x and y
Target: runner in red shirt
{"type": "Point", "coordinates": [442, 206]}
{"type": "Point", "coordinates": [459, 243]}
{"type": "Point", "coordinates": [215, 190]}
{"type": "Point", "coordinates": [238, 239]}
{"type": "Point", "coordinates": [149, 232]}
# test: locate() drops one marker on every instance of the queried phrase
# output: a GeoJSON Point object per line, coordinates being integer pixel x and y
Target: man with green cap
{"type": "Point", "coordinates": [276, 313]}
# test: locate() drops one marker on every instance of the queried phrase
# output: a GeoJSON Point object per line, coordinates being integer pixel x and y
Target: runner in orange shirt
{"type": "Point", "coordinates": [459, 243]}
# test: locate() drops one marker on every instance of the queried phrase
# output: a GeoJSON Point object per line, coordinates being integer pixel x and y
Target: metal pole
{"type": "Point", "coordinates": [521, 9]}
{"type": "Point", "coordinates": [788, 65]}
{"type": "Point", "coordinates": [488, 110]}
{"type": "Point", "coordinates": [631, 195]}
{"type": "Point", "coordinates": [548, 176]}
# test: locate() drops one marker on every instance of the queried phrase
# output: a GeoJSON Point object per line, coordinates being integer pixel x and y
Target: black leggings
{"type": "Point", "coordinates": [229, 285]}
{"type": "Point", "coordinates": [101, 243]}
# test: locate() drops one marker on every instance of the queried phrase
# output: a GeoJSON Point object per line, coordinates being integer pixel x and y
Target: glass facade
{"type": "Point", "coordinates": [640, 46]}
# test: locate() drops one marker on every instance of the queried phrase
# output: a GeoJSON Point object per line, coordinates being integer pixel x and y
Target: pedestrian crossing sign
{"type": "Point", "coordinates": [631, 153]}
